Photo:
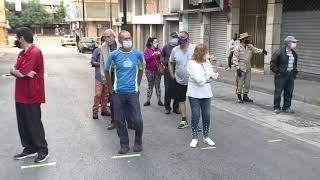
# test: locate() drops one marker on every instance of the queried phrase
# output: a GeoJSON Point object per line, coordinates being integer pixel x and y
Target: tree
{"type": "Point", "coordinates": [59, 16]}
{"type": "Point", "coordinates": [33, 15]}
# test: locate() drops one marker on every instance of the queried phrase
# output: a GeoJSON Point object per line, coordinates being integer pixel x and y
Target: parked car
{"type": "Point", "coordinates": [68, 40]}
{"type": "Point", "coordinates": [87, 44]}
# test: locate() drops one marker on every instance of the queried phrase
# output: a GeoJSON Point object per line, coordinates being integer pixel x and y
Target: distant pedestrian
{"type": "Point", "coordinates": [242, 61]}
{"type": "Point", "coordinates": [200, 93]}
{"type": "Point", "coordinates": [29, 95]}
{"type": "Point", "coordinates": [232, 45]}
{"type": "Point", "coordinates": [284, 66]}
{"type": "Point", "coordinates": [179, 58]}
{"type": "Point", "coordinates": [128, 68]}
{"type": "Point", "coordinates": [169, 83]}
{"type": "Point", "coordinates": [78, 41]}
{"type": "Point", "coordinates": [101, 89]}
{"type": "Point", "coordinates": [152, 54]}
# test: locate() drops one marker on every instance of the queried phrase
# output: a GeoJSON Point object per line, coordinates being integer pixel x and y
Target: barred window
{"type": "Point", "coordinates": [301, 5]}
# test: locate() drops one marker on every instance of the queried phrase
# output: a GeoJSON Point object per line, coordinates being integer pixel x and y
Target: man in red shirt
{"type": "Point", "coordinates": [29, 95]}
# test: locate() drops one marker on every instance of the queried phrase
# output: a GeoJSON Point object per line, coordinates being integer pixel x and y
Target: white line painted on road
{"type": "Point", "coordinates": [274, 140]}
{"type": "Point", "coordinates": [38, 165]}
{"type": "Point", "coordinates": [205, 148]}
{"type": "Point", "coordinates": [126, 156]}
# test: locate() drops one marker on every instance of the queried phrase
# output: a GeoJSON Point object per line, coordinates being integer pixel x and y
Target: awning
{"type": "Point", "coordinates": [200, 10]}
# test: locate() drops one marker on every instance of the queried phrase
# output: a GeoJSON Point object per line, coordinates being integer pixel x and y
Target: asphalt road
{"type": "Point", "coordinates": [82, 148]}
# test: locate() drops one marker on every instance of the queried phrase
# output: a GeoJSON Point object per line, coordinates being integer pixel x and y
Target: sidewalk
{"type": "Point", "coordinates": [305, 91]}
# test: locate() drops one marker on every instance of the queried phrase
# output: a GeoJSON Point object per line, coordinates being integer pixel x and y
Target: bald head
{"type": "Point", "coordinates": [124, 35]}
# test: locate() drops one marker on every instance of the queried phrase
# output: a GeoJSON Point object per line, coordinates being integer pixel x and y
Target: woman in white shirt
{"type": "Point", "coordinates": [199, 92]}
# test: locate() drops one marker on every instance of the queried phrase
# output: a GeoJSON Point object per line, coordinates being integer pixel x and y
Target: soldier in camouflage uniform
{"type": "Point", "coordinates": [242, 62]}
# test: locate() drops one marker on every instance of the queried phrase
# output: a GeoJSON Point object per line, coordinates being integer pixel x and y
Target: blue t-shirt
{"type": "Point", "coordinates": [96, 58]}
{"type": "Point", "coordinates": [126, 66]}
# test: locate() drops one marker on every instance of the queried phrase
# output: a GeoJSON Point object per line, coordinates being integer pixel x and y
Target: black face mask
{"type": "Point", "coordinates": [17, 44]}
{"type": "Point", "coordinates": [246, 41]}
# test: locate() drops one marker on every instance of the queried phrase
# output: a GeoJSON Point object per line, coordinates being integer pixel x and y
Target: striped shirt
{"type": "Point", "coordinates": [291, 60]}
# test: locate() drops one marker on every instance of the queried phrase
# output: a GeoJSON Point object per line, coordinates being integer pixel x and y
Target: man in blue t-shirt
{"type": "Point", "coordinates": [128, 71]}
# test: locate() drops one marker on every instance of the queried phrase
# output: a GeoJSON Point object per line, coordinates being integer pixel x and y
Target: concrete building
{"type": "Point", "coordinates": [152, 18]}
{"type": "Point", "coordinates": [270, 21]}
{"type": "Point", "coordinates": [97, 16]}
{"type": "Point", "coordinates": [3, 24]}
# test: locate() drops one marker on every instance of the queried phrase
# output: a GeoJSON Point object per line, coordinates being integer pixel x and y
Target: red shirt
{"type": "Point", "coordinates": [30, 90]}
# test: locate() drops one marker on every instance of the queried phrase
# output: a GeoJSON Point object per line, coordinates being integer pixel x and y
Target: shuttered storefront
{"type": "Point", "coordinates": [218, 36]}
{"type": "Point", "coordinates": [305, 26]}
{"type": "Point", "coordinates": [194, 28]}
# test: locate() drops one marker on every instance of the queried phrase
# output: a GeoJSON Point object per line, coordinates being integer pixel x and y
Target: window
{"type": "Point", "coordinates": [151, 6]}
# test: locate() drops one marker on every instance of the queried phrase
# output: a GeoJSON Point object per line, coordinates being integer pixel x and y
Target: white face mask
{"type": "Point", "coordinates": [155, 45]}
{"type": "Point", "coordinates": [293, 45]}
{"type": "Point", "coordinates": [127, 44]}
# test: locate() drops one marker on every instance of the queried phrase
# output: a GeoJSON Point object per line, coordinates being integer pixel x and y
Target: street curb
{"type": "Point", "coordinates": [313, 101]}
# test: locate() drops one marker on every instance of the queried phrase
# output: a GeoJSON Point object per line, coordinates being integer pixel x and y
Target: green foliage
{"type": "Point", "coordinates": [59, 16]}
{"type": "Point", "coordinates": [33, 14]}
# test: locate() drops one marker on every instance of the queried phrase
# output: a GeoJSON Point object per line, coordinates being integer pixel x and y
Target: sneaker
{"type": "Point", "coordinates": [288, 111]}
{"type": "Point", "coordinates": [95, 115]}
{"type": "Point", "coordinates": [183, 124]}
{"type": "Point", "coordinates": [167, 111]}
{"type": "Point", "coordinates": [24, 155]}
{"type": "Point", "coordinates": [124, 150]}
{"type": "Point", "coordinates": [41, 158]}
{"type": "Point", "coordinates": [208, 141]}
{"type": "Point", "coordinates": [146, 103]}
{"type": "Point", "coordinates": [160, 103]}
{"type": "Point", "coordinates": [247, 99]}
{"type": "Point", "coordinates": [277, 111]}
{"type": "Point", "coordinates": [111, 126]}
{"type": "Point", "coordinates": [194, 143]}
{"type": "Point", "coordinates": [137, 148]}
{"type": "Point", "coordinates": [107, 113]}
{"type": "Point", "coordinates": [228, 69]}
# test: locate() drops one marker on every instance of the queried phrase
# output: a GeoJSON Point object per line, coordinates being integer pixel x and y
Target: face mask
{"type": "Point", "coordinates": [127, 44]}
{"type": "Point", "coordinates": [182, 41]}
{"type": "Point", "coordinates": [174, 41]}
{"type": "Point", "coordinates": [17, 44]}
{"type": "Point", "coordinates": [293, 45]}
{"type": "Point", "coordinates": [155, 45]}
{"type": "Point", "coordinates": [247, 41]}
{"type": "Point", "coordinates": [109, 41]}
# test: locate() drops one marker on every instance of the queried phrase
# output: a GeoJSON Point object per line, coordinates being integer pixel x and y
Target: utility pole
{"type": "Point", "coordinates": [83, 19]}
{"type": "Point", "coordinates": [124, 20]}
{"type": "Point", "coordinates": [110, 14]}
{"type": "Point", "coordinates": [3, 24]}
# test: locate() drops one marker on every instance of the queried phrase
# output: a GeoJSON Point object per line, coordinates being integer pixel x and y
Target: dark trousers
{"type": "Point", "coordinates": [30, 127]}
{"type": "Point", "coordinates": [128, 114]}
{"type": "Point", "coordinates": [121, 104]}
{"type": "Point", "coordinates": [283, 83]}
{"type": "Point", "coordinates": [200, 106]}
{"type": "Point", "coordinates": [169, 93]}
{"type": "Point", "coordinates": [230, 59]}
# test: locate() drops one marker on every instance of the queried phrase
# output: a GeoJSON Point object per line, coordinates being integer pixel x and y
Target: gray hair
{"type": "Point", "coordinates": [111, 32]}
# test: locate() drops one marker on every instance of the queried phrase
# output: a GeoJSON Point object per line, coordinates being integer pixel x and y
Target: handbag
{"type": "Point", "coordinates": [160, 67]}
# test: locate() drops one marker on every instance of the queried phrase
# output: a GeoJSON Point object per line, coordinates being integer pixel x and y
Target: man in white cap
{"type": "Point", "coordinates": [242, 61]}
{"type": "Point", "coordinates": [284, 66]}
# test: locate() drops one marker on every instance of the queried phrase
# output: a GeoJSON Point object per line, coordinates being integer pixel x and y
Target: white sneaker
{"type": "Point", "coordinates": [194, 143]}
{"type": "Point", "coordinates": [208, 141]}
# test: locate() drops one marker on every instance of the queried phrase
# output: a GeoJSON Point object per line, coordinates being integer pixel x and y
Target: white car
{"type": "Point", "coordinates": [68, 40]}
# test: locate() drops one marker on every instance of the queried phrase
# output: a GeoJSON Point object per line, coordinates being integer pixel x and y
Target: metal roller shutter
{"type": "Point", "coordinates": [218, 36]}
{"type": "Point", "coordinates": [194, 28]}
{"type": "Point", "coordinates": [305, 26]}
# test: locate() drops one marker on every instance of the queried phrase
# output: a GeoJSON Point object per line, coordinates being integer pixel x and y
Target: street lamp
{"type": "Point", "coordinates": [110, 14]}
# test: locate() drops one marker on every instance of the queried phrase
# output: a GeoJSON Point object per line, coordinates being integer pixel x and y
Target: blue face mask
{"type": "Point", "coordinates": [182, 41]}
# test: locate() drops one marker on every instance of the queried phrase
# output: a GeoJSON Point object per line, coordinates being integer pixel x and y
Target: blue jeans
{"type": "Point", "coordinates": [283, 82]}
{"type": "Point", "coordinates": [131, 103]}
{"type": "Point", "coordinates": [198, 106]}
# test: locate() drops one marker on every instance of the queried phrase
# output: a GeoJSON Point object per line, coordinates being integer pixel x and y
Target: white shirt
{"type": "Point", "coordinates": [199, 74]}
